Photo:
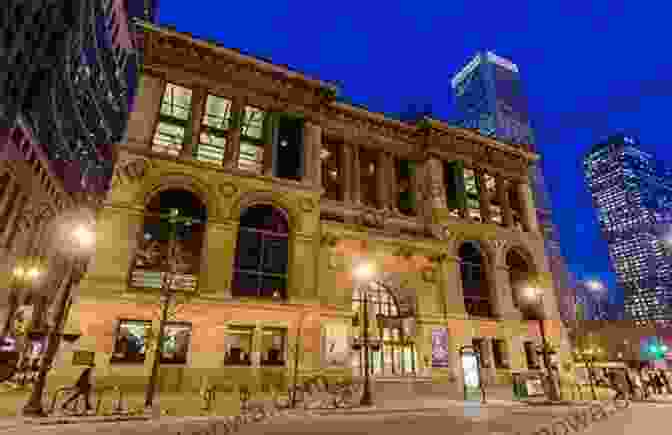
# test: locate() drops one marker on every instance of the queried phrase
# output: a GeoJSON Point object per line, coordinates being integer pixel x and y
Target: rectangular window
{"type": "Point", "coordinates": [472, 191]}
{"type": "Point", "coordinates": [174, 120]}
{"type": "Point", "coordinates": [130, 344]}
{"type": "Point", "coordinates": [367, 177]}
{"type": "Point", "coordinates": [273, 345]}
{"type": "Point", "coordinates": [175, 348]}
{"type": "Point", "coordinates": [214, 130]}
{"type": "Point", "coordinates": [238, 346]}
{"type": "Point", "coordinates": [255, 132]}
{"type": "Point", "coordinates": [289, 148]}
{"type": "Point", "coordinates": [453, 178]}
{"type": "Point", "coordinates": [405, 176]}
{"type": "Point", "coordinates": [500, 354]}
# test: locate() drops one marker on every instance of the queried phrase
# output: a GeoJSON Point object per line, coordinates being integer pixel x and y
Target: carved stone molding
{"type": "Point", "coordinates": [498, 244]}
{"type": "Point", "coordinates": [374, 218]}
{"type": "Point", "coordinates": [228, 189]}
{"type": "Point", "coordinates": [132, 169]}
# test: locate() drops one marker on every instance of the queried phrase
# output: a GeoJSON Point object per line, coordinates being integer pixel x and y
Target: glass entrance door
{"type": "Point", "coordinates": [393, 359]}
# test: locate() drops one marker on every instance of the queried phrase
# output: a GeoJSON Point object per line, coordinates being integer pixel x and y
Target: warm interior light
{"type": "Point", "coordinates": [364, 271]}
{"type": "Point", "coordinates": [33, 273]}
{"type": "Point", "coordinates": [19, 272]}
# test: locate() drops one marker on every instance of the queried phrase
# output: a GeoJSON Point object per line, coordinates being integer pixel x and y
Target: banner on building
{"type": "Point", "coordinates": [335, 345]}
{"type": "Point", "coordinates": [440, 348]}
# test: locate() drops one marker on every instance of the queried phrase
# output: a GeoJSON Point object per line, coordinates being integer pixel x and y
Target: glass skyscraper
{"type": "Point", "coordinates": [489, 98]}
{"type": "Point", "coordinates": [632, 193]}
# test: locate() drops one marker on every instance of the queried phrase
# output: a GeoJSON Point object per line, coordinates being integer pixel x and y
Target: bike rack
{"type": "Point", "coordinates": [55, 396]}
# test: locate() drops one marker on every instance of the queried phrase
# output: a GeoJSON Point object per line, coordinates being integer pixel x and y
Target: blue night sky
{"type": "Point", "coordinates": [590, 68]}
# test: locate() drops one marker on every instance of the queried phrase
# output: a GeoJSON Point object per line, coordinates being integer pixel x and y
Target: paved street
{"type": "Point", "coordinates": [470, 419]}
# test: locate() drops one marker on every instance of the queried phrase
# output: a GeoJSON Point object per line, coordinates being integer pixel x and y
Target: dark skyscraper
{"type": "Point", "coordinates": [489, 97]}
{"type": "Point", "coordinates": [632, 194]}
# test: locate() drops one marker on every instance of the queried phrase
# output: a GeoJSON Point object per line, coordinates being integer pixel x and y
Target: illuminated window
{"type": "Point", "coordinates": [238, 346]}
{"type": "Point", "coordinates": [214, 130]}
{"type": "Point", "coordinates": [273, 342]}
{"type": "Point", "coordinates": [174, 120]}
{"type": "Point", "coordinates": [252, 140]}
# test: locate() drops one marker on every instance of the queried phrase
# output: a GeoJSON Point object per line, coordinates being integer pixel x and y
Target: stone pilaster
{"type": "Point", "coordinates": [356, 175]}
{"type": "Point", "coordinates": [437, 188]}
{"type": "Point", "coordinates": [146, 110]}
{"type": "Point", "coordinates": [216, 274]}
{"type": "Point", "coordinates": [484, 197]}
{"type": "Point", "coordinates": [504, 296]}
{"type": "Point", "coordinates": [530, 221]}
{"type": "Point", "coordinates": [198, 97]}
{"type": "Point", "coordinates": [232, 152]}
{"type": "Point", "coordinates": [382, 180]}
{"type": "Point", "coordinates": [347, 162]}
{"type": "Point", "coordinates": [270, 145]}
{"type": "Point", "coordinates": [312, 145]}
{"type": "Point", "coordinates": [115, 250]}
{"type": "Point", "coordinates": [503, 197]}
{"type": "Point", "coordinates": [451, 286]}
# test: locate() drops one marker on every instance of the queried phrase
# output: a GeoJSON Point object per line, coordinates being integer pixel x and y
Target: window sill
{"type": "Point", "coordinates": [246, 366]}
{"type": "Point", "coordinates": [126, 362]}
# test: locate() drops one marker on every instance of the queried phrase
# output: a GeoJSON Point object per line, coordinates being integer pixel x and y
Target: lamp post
{"type": "Point", "coordinates": [362, 274]}
{"type": "Point", "coordinates": [537, 294]}
{"type": "Point", "coordinates": [598, 289]}
{"type": "Point", "coordinates": [167, 293]}
{"type": "Point", "coordinates": [82, 240]}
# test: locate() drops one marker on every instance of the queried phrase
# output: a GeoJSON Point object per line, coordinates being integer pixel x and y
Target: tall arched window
{"type": "Point", "coordinates": [474, 281]}
{"type": "Point", "coordinates": [519, 275]}
{"type": "Point", "coordinates": [186, 229]}
{"type": "Point", "coordinates": [262, 253]}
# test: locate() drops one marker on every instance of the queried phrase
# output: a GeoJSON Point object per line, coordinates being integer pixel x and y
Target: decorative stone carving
{"type": "Point", "coordinates": [374, 218]}
{"type": "Point", "coordinates": [498, 244]}
{"type": "Point", "coordinates": [441, 232]}
{"type": "Point", "coordinates": [228, 189]}
{"type": "Point", "coordinates": [307, 204]}
{"type": "Point", "coordinates": [329, 240]}
{"type": "Point", "coordinates": [131, 169]}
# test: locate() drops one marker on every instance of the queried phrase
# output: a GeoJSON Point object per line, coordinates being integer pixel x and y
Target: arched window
{"type": "Point", "coordinates": [262, 253]}
{"type": "Point", "coordinates": [519, 275]}
{"type": "Point", "coordinates": [185, 227]}
{"type": "Point", "coordinates": [474, 282]}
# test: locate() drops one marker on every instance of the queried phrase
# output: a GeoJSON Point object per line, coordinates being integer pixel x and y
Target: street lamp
{"type": "Point", "coordinates": [536, 294]}
{"type": "Point", "coordinates": [78, 242]}
{"type": "Point", "coordinates": [597, 288]}
{"type": "Point", "coordinates": [363, 273]}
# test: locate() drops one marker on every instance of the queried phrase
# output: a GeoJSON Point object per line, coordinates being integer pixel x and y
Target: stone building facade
{"type": "Point", "coordinates": [265, 163]}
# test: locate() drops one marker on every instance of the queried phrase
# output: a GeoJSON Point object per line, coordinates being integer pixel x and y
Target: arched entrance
{"type": "Point", "coordinates": [393, 330]}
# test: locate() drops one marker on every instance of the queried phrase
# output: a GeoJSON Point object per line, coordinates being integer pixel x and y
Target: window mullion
{"type": "Point", "coordinates": [261, 266]}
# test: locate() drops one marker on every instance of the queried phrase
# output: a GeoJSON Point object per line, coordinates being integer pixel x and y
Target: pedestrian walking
{"type": "Point", "coordinates": [83, 387]}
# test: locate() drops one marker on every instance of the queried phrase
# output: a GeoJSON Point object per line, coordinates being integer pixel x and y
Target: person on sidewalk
{"type": "Point", "coordinates": [83, 387]}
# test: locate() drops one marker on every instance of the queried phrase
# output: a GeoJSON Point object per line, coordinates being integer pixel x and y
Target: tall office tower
{"type": "Point", "coordinates": [632, 193]}
{"type": "Point", "coordinates": [489, 98]}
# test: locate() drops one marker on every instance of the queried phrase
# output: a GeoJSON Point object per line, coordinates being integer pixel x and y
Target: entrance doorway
{"type": "Point", "coordinates": [395, 356]}
{"type": "Point", "coordinates": [472, 381]}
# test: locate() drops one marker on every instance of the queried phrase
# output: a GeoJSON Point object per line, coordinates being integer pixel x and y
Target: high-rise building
{"type": "Point", "coordinates": [489, 97]}
{"type": "Point", "coordinates": [632, 193]}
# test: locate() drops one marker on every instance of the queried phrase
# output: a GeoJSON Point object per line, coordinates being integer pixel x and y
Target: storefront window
{"type": "Point", "coordinates": [273, 347]}
{"type": "Point", "coordinates": [177, 337]}
{"type": "Point", "coordinates": [238, 346]}
{"type": "Point", "coordinates": [130, 343]}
